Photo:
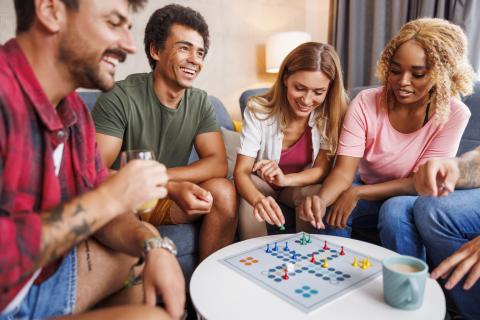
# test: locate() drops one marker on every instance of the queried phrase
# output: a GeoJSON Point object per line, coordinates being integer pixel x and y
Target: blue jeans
{"type": "Point", "coordinates": [394, 219]}
{"type": "Point", "coordinates": [54, 297]}
{"type": "Point", "coordinates": [445, 224]}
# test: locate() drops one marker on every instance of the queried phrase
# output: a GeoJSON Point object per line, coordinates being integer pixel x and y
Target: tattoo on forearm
{"type": "Point", "coordinates": [89, 260]}
{"type": "Point", "coordinates": [55, 215]}
{"type": "Point", "coordinates": [62, 230]}
{"type": "Point", "coordinates": [469, 166]}
{"type": "Point", "coordinates": [81, 229]}
{"type": "Point", "coordinates": [78, 209]}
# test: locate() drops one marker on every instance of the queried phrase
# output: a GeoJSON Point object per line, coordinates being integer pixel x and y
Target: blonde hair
{"type": "Point", "coordinates": [445, 47]}
{"type": "Point", "coordinates": [310, 56]}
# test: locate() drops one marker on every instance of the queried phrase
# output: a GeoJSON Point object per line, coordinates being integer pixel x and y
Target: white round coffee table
{"type": "Point", "coordinates": [219, 292]}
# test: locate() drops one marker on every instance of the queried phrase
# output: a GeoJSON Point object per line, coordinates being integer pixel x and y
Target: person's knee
{"type": "Point", "coordinates": [395, 213]}
{"type": "Point", "coordinates": [428, 213]}
{"type": "Point", "coordinates": [152, 313]}
{"type": "Point", "coordinates": [224, 197]}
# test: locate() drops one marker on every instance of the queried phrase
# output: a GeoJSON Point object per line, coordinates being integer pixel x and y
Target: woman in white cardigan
{"type": "Point", "coordinates": [289, 137]}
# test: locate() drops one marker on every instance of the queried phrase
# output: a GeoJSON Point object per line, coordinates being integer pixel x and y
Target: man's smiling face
{"type": "Point", "coordinates": [181, 59]}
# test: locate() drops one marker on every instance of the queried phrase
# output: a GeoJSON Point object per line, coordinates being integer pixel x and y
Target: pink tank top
{"type": "Point", "coordinates": [299, 155]}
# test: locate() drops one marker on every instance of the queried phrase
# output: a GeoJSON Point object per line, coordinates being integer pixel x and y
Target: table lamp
{"type": "Point", "coordinates": [279, 46]}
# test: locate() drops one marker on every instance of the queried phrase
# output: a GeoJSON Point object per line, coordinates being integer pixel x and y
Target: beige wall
{"type": "Point", "coordinates": [238, 31]}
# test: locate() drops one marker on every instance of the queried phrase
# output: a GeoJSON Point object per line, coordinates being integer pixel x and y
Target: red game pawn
{"type": "Point", "coordinates": [325, 246]}
{"type": "Point", "coordinates": [313, 258]}
{"type": "Point", "coordinates": [342, 252]}
{"type": "Point", "coordinates": [285, 277]}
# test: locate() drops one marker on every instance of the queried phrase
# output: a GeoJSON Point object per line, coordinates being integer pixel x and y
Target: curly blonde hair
{"type": "Point", "coordinates": [310, 56]}
{"type": "Point", "coordinates": [445, 47]}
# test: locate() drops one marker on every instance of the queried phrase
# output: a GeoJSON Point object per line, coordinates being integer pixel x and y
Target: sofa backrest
{"type": "Point", "coordinates": [247, 94]}
{"type": "Point", "coordinates": [471, 136]}
{"type": "Point", "coordinates": [221, 113]}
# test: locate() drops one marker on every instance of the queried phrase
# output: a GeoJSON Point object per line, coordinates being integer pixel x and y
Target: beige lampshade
{"type": "Point", "coordinates": [279, 45]}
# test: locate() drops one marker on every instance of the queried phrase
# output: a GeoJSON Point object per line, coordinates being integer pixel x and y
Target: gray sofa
{"type": "Point", "coordinates": [184, 235]}
{"type": "Point", "coordinates": [470, 140]}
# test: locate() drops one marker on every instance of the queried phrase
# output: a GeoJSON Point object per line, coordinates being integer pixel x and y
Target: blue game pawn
{"type": "Point", "coordinates": [275, 248]}
{"type": "Point", "coordinates": [294, 256]}
{"type": "Point", "coordinates": [286, 247]}
{"type": "Point", "coordinates": [268, 249]}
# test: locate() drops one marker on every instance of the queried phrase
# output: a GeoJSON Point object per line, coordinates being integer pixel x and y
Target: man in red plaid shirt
{"type": "Point", "coordinates": [68, 238]}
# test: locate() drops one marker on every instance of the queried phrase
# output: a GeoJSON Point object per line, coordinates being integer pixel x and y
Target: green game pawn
{"type": "Point", "coordinates": [282, 227]}
{"type": "Point", "coordinates": [309, 240]}
{"type": "Point", "coordinates": [303, 239]}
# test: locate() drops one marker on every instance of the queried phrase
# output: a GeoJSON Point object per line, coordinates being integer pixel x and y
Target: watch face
{"type": "Point", "coordinates": [169, 244]}
{"type": "Point", "coordinates": [164, 243]}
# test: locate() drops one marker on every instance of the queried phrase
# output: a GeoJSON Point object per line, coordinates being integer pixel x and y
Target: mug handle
{"type": "Point", "coordinates": [414, 292]}
{"type": "Point", "coordinates": [414, 289]}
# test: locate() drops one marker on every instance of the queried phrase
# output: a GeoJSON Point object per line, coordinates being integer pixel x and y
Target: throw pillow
{"type": "Point", "coordinates": [232, 143]}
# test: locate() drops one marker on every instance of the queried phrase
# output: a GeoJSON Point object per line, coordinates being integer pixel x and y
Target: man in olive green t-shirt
{"type": "Point", "coordinates": [161, 111]}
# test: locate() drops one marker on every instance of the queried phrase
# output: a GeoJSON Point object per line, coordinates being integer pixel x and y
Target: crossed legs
{"type": "Point", "coordinates": [102, 274]}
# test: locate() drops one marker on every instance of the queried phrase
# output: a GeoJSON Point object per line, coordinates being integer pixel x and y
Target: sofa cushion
{"type": "Point", "coordinates": [471, 136]}
{"type": "Point", "coordinates": [232, 143]}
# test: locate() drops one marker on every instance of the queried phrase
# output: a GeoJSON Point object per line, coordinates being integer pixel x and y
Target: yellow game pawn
{"type": "Point", "coordinates": [367, 261]}
{"type": "Point", "coordinates": [325, 263]}
{"type": "Point", "coordinates": [355, 264]}
{"type": "Point", "coordinates": [364, 265]}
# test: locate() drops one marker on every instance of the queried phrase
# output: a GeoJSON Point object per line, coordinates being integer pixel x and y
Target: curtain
{"type": "Point", "coordinates": [361, 28]}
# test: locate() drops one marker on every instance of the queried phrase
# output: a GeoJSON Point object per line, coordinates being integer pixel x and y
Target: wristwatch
{"type": "Point", "coordinates": [159, 242]}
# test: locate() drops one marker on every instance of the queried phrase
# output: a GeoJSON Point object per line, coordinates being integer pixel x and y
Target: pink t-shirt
{"type": "Point", "coordinates": [388, 154]}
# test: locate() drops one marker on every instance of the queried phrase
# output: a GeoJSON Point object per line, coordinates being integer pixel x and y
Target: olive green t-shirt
{"type": "Point", "coordinates": [131, 111]}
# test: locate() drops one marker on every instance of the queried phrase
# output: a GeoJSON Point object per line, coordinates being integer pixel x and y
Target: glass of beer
{"type": "Point", "coordinates": [141, 154]}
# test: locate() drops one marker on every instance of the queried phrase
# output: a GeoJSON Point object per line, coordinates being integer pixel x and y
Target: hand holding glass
{"type": "Point", "coordinates": [129, 155]}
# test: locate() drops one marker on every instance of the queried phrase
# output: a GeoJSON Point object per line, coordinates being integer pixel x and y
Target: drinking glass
{"type": "Point", "coordinates": [141, 154]}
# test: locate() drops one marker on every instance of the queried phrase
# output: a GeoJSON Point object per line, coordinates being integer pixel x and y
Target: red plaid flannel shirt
{"type": "Point", "coordinates": [30, 130]}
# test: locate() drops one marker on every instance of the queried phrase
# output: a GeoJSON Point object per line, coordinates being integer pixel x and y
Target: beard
{"type": "Point", "coordinates": [83, 65]}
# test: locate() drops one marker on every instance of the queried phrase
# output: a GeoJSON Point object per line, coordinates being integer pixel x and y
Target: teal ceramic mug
{"type": "Point", "coordinates": [404, 280]}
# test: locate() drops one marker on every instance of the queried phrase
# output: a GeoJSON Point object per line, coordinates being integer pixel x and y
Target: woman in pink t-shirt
{"type": "Point", "coordinates": [289, 137]}
{"type": "Point", "coordinates": [389, 131]}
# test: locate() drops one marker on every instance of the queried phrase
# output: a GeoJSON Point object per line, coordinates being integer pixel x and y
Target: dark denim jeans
{"type": "Point", "coordinates": [445, 224]}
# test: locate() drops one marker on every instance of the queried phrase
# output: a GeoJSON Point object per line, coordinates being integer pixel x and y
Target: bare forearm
{"type": "Point", "coordinates": [200, 171]}
{"type": "Point", "coordinates": [336, 183]}
{"type": "Point", "coordinates": [68, 224]}
{"type": "Point", "coordinates": [306, 177]}
{"type": "Point", "coordinates": [126, 234]}
{"type": "Point", "coordinates": [469, 167]}
{"type": "Point", "coordinates": [247, 189]}
{"type": "Point", "coordinates": [387, 189]}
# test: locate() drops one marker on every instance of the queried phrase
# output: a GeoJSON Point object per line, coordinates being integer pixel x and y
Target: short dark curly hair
{"type": "Point", "coordinates": [25, 11]}
{"type": "Point", "coordinates": [161, 21]}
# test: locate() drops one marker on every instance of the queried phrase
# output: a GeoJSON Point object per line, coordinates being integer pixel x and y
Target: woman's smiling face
{"type": "Point", "coordinates": [306, 91]}
{"type": "Point", "coordinates": [409, 75]}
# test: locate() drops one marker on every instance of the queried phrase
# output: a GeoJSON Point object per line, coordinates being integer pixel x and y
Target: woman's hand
{"type": "Point", "coordinates": [270, 172]}
{"type": "Point", "coordinates": [312, 209]}
{"type": "Point", "coordinates": [342, 208]}
{"type": "Point", "coordinates": [267, 209]}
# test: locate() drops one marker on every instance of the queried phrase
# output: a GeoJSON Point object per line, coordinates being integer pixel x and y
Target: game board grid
{"type": "Point", "coordinates": [330, 274]}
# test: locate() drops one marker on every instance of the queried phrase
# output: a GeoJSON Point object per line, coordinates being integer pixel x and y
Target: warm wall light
{"type": "Point", "coordinates": [279, 46]}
